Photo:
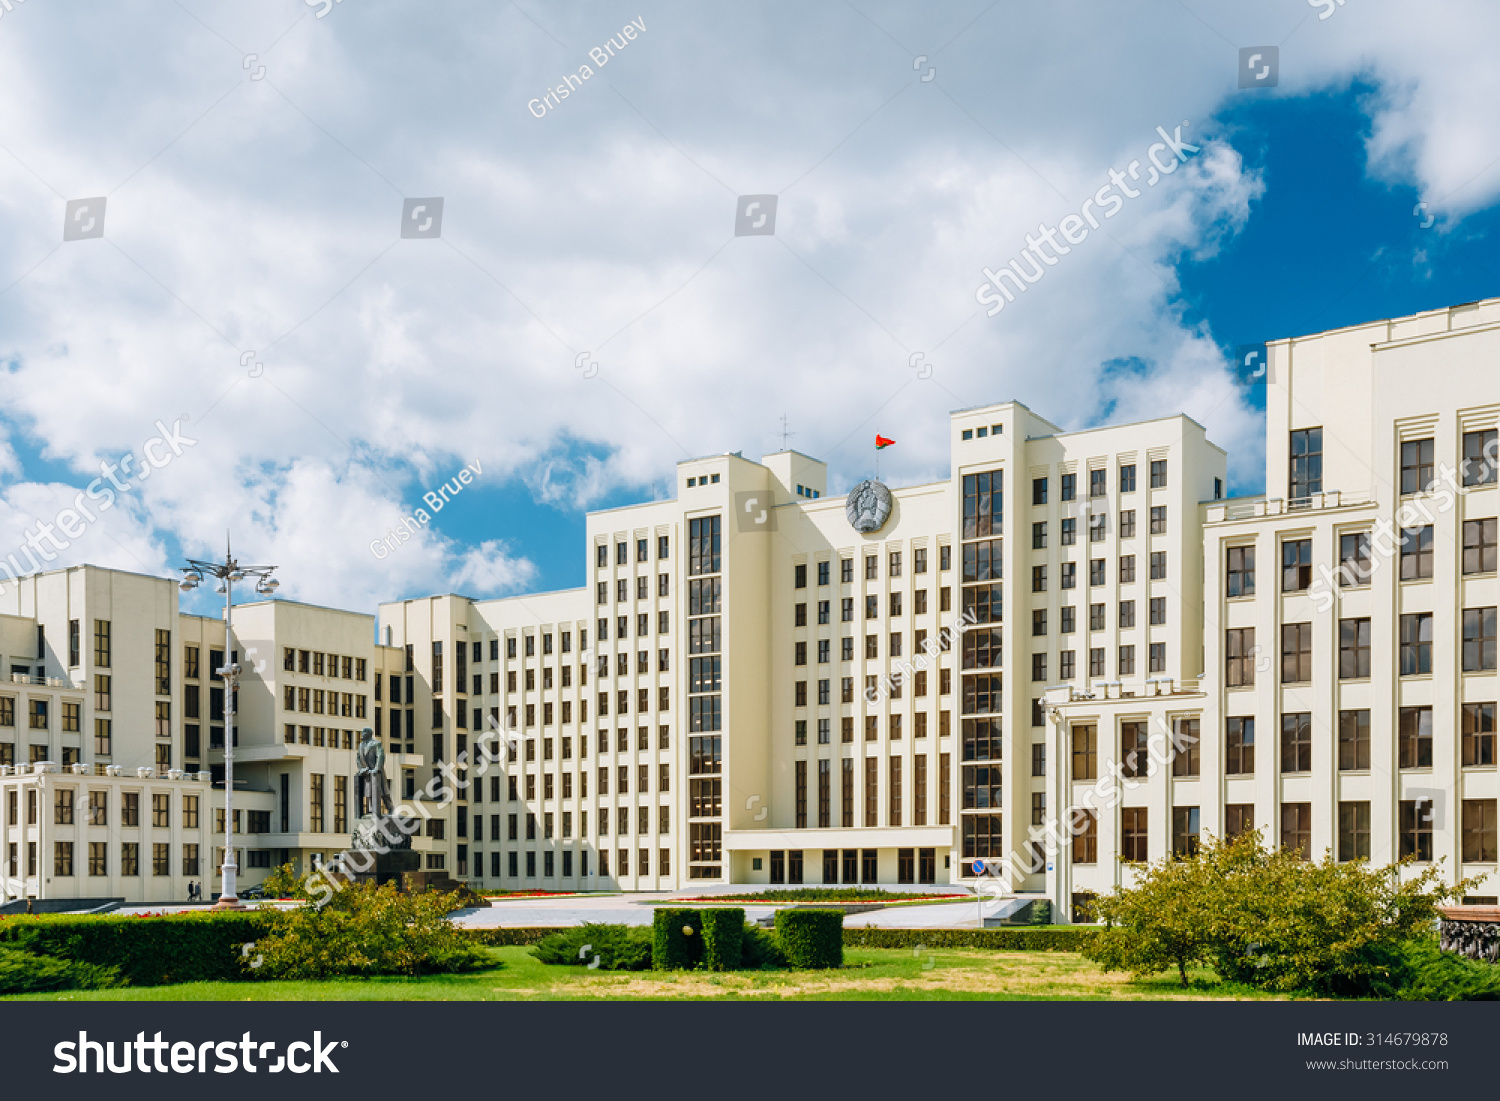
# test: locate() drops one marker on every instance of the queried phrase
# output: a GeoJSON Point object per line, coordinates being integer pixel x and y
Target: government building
{"type": "Point", "coordinates": [760, 683]}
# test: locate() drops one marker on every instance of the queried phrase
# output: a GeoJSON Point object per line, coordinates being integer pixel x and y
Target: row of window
{"type": "Point", "coordinates": [1414, 648]}
{"type": "Point", "coordinates": [98, 859]}
{"type": "Point", "coordinates": [1358, 560]}
{"type": "Point", "coordinates": [549, 865]}
{"type": "Point", "coordinates": [1067, 617]}
{"type": "Point", "coordinates": [1098, 531]}
{"type": "Point", "coordinates": [895, 606]}
{"type": "Point", "coordinates": [1418, 472]}
{"type": "Point", "coordinates": [895, 727]}
{"type": "Point", "coordinates": [69, 808]}
{"type": "Point", "coordinates": [1098, 483]}
{"type": "Point", "coordinates": [1125, 663]}
{"type": "Point", "coordinates": [1414, 830]}
{"type": "Point", "coordinates": [316, 701]}
{"type": "Point", "coordinates": [1098, 572]}
{"type": "Point", "coordinates": [1414, 740]}
{"type": "Point", "coordinates": [894, 566]}
{"type": "Point", "coordinates": [315, 662]}
{"type": "Point", "coordinates": [642, 547]}
{"type": "Point", "coordinates": [981, 788]}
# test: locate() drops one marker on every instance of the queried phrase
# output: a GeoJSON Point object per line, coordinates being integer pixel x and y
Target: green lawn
{"type": "Point", "coordinates": [870, 974]}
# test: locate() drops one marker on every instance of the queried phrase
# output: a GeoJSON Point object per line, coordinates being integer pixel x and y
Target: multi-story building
{"type": "Point", "coordinates": [759, 683]}
{"type": "Point", "coordinates": [113, 706]}
{"type": "Point", "coordinates": [1348, 697]}
{"type": "Point", "coordinates": [751, 688]}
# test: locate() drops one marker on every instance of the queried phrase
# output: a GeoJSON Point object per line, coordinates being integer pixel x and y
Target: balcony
{"type": "Point", "coordinates": [1256, 508]}
{"type": "Point", "coordinates": [41, 682]}
{"type": "Point", "coordinates": [1058, 694]}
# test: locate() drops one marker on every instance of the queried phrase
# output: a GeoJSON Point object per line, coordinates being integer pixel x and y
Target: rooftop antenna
{"type": "Point", "coordinates": [786, 434]}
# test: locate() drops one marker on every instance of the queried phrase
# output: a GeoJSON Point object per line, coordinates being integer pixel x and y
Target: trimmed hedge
{"type": "Point", "coordinates": [1016, 939]}
{"type": "Point", "coordinates": [723, 938]}
{"type": "Point", "coordinates": [499, 937]}
{"type": "Point", "coordinates": [1007, 940]}
{"type": "Point", "coordinates": [673, 949]}
{"type": "Point", "coordinates": [148, 951]}
{"type": "Point", "coordinates": [811, 938]}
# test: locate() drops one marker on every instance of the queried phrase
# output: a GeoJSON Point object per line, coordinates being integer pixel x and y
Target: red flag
{"type": "Point", "coordinates": [881, 441]}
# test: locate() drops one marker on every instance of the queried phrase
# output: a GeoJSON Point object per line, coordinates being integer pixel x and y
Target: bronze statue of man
{"type": "Point", "coordinates": [372, 791]}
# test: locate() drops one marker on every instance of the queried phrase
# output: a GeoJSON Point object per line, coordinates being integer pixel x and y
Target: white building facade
{"type": "Point", "coordinates": [759, 683]}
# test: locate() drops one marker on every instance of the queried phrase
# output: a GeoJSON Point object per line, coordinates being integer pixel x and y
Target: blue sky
{"type": "Point", "coordinates": [252, 276]}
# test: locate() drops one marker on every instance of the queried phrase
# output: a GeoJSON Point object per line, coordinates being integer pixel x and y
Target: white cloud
{"type": "Point", "coordinates": [270, 224]}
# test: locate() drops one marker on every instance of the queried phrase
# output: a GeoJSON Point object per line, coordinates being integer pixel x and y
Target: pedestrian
{"type": "Point", "coordinates": [192, 891]}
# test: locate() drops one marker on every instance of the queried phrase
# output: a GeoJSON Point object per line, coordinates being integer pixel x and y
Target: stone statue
{"type": "Point", "coordinates": [372, 792]}
{"type": "Point", "coordinates": [868, 506]}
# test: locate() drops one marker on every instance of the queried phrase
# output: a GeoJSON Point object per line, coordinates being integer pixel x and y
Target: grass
{"type": "Point", "coordinates": [870, 974]}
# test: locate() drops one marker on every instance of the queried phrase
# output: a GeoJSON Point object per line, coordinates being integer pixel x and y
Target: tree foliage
{"type": "Point", "coordinates": [1272, 919]}
{"type": "Point", "coordinates": [365, 930]}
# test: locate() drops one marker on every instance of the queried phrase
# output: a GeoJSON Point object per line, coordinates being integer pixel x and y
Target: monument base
{"type": "Point", "coordinates": [391, 867]}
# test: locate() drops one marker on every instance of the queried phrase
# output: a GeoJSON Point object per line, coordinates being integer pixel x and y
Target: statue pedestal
{"type": "Point", "coordinates": [381, 851]}
{"type": "Point", "coordinates": [391, 867]}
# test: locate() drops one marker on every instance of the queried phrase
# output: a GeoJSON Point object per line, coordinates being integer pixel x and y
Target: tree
{"type": "Point", "coordinates": [1162, 922]}
{"type": "Point", "coordinates": [1271, 919]}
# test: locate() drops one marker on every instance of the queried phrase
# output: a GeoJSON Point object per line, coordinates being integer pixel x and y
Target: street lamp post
{"type": "Point", "coordinates": [228, 572]}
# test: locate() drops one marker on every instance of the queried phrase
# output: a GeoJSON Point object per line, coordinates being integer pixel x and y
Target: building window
{"type": "Point", "coordinates": [1355, 563]}
{"type": "Point", "coordinates": [1186, 747]}
{"type": "Point", "coordinates": [1354, 831]}
{"type": "Point", "coordinates": [1085, 751]}
{"type": "Point", "coordinates": [1127, 569]}
{"type": "Point", "coordinates": [1296, 829]}
{"type": "Point", "coordinates": [1478, 821]}
{"type": "Point", "coordinates": [1156, 657]}
{"type": "Point", "coordinates": [1479, 735]}
{"type": "Point", "coordinates": [1296, 742]}
{"type": "Point", "coordinates": [1133, 835]}
{"type": "Point", "coordinates": [1354, 740]}
{"type": "Point", "coordinates": [1158, 565]}
{"type": "Point", "coordinates": [1416, 829]}
{"type": "Point", "coordinates": [1239, 657]}
{"type": "Point", "coordinates": [1239, 746]}
{"type": "Point", "coordinates": [1416, 553]}
{"type": "Point", "coordinates": [1097, 483]}
{"type": "Point", "coordinates": [1185, 831]}
{"type": "Point", "coordinates": [1127, 523]}
{"type": "Point", "coordinates": [1479, 546]}
{"type": "Point", "coordinates": [1307, 463]}
{"type": "Point", "coordinates": [1354, 649]}
{"type": "Point", "coordinates": [1296, 653]}
{"type": "Point", "coordinates": [1240, 578]}
{"type": "Point", "coordinates": [1085, 829]}
{"type": "Point", "coordinates": [1296, 565]}
{"type": "Point", "coordinates": [1414, 737]}
{"type": "Point", "coordinates": [1416, 466]}
{"type": "Point", "coordinates": [1416, 644]}
{"type": "Point", "coordinates": [1480, 457]}
{"type": "Point", "coordinates": [1479, 640]}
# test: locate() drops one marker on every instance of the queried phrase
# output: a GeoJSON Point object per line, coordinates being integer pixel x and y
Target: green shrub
{"type": "Point", "coordinates": [616, 947]}
{"type": "Point", "coordinates": [1425, 973]}
{"type": "Point", "coordinates": [284, 882]}
{"type": "Point", "coordinates": [811, 938]}
{"type": "Point", "coordinates": [23, 973]}
{"type": "Point", "coordinates": [759, 950]}
{"type": "Point", "coordinates": [497, 936]}
{"type": "Point", "coordinates": [723, 938]}
{"type": "Point", "coordinates": [677, 939]}
{"type": "Point", "coordinates": [364, 929]}
{"type": "Point", "coordinates": [1271, 919]}
{"type": "Point", "coordinates": [1015, 939]}
{"type": "Point", "coordinates": [148, 951]}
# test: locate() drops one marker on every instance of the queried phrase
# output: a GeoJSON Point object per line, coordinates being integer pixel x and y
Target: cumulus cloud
{"type": "Point", "coordinates": [587, 317]}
